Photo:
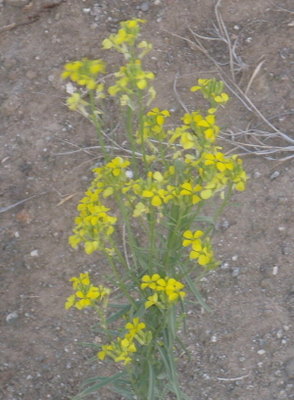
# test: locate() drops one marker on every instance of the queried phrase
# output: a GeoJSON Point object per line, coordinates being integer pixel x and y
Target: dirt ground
{"type": "Point", "coordinates": [242, 349]}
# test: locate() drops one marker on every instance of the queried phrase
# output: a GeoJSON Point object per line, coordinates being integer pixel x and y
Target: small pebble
{"type": "Point", "coordinates": [224, 224]}
{"type": "Point", "coordinates": [70, 88]}
{"type": "Point", "coordinates": [34, 253]}
{"type": "Point", "coordinates": [280, 334]}
{"type": "Point", "coordinates": [31, 75]}
{"type": "Point", "coordinates": [274, 175]}
{"type": "Point", "coordinates": [261, 352]}
{"type": "Point", "coordinates": [129, 174]}
{"type": "Point", "coordinates": [256, 174]}
{"type": "Point", "coordinates": [11, 316]}
{"type": "Point", "coordinates": [235, 272]}
{"type": "Point", "coordinates": [275, 270]}
{"type": "Point", "coordinates": [235, 258]}
{"type": "Point", "coordinates": [225, 265]}
{"type": "Point", "coordinates": [144, 6]}
{"type": "Point", "coordinates": [286, 328]}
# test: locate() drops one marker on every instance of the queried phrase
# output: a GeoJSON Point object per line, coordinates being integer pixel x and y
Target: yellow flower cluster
{"type": "Point", "coordinates": [94, 225]}
{"type": "Point", "coordinates": [125, 37]}
{"type": "Point", "coordinates": [218, 171]}
{"type": "Point", "coordinates": [153, 127]}
{"type": "Point", "coordinates": [85, 72]}
{"type": "Point", "coordinates": [86, 294]}
{"type": "Point", "coordinates": [166, 290]}
{"type": "Point", "coordinates": [212, 90]}
{"type": "Point", "coordinates": [130, 77]}
{"type": "Point", "coordinates": [197, 132]}
{"type": "Point", "coordinates": [201, 248]}
{"type": "Point", "coordinates": [122, 349]}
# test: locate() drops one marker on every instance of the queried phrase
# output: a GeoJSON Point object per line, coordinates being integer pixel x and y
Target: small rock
{"type": "Point", "coordinates": [70, 88]}
{"type": "Point", "coordinates": [213, 339]}
{"type": "Point", "coordinates": [256, 174]}
{"type": "Point", "coordinates": [235, 272]}
{"type": "Point", "coordinates": [34, 253]}
{"type": "Point", "coordinates": [11, 316]}
{"type": "Point", "coordinates": [129, 174]}
{"type": "Point", "coordinates": [280, 334]}
{"type": "Point", "coordinates": [261, 352]}
{"type": "Point", "coordinates": [235, 258]}
{"type": "Point", "coordinates": [225, 265]}
{"type": "Point", "coordinates": [144, 6]}
{"type": "Point", "coordinates": [223, 224]}
{"type": "Point", "coordinates": [274, 175]}
{"type": "Point", "coordinates": [266, 283]}
{"type": "Point", "coordinates": [275, 270]}
{"type": "Point", "coordinates": [31, 75]}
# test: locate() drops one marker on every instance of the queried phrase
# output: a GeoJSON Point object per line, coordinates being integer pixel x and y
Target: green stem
{"type": "Point", "coordinates": [97, 123]}
{"type": "Point", "coordinates": [120, 281]}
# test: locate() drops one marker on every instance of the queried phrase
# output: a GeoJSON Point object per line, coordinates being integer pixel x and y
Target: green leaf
{"type": "Point", "coordinates": [123, 310]}
{"type": "Point", "coordinates": [196, 293]}
{"type": "Point", "coordinates": [151, 382]}
{"type": "Point", "coordinates": [101, 381]}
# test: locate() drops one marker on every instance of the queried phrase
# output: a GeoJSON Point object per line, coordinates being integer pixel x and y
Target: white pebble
{"type": "Point", "coordinates": [261, 352]}
{"type": "Point", "coordinates": [69, 88]}
{"type": "Point", "coordinates": [129, 174]}
{"type": "Point", "coordinates": [34, 253]}
{"type": "Point", "coordinates": [275, 270]}
{"type": "Point", "coordinates": [279, 334]}
{"type": "Point", "coordinates": [235, 258]}
{"type": "Point", "coordinates": [11, 316]}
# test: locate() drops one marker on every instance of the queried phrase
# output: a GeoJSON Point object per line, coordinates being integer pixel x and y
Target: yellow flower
{"type": "Point", "coordinates": [151, 301]}
{"type": "Point", "coordinates": [193, 191]}
{"type": "Point", "coordinates": [134, 328]}
{"type": "Point", "coordinates": [192, 238]}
